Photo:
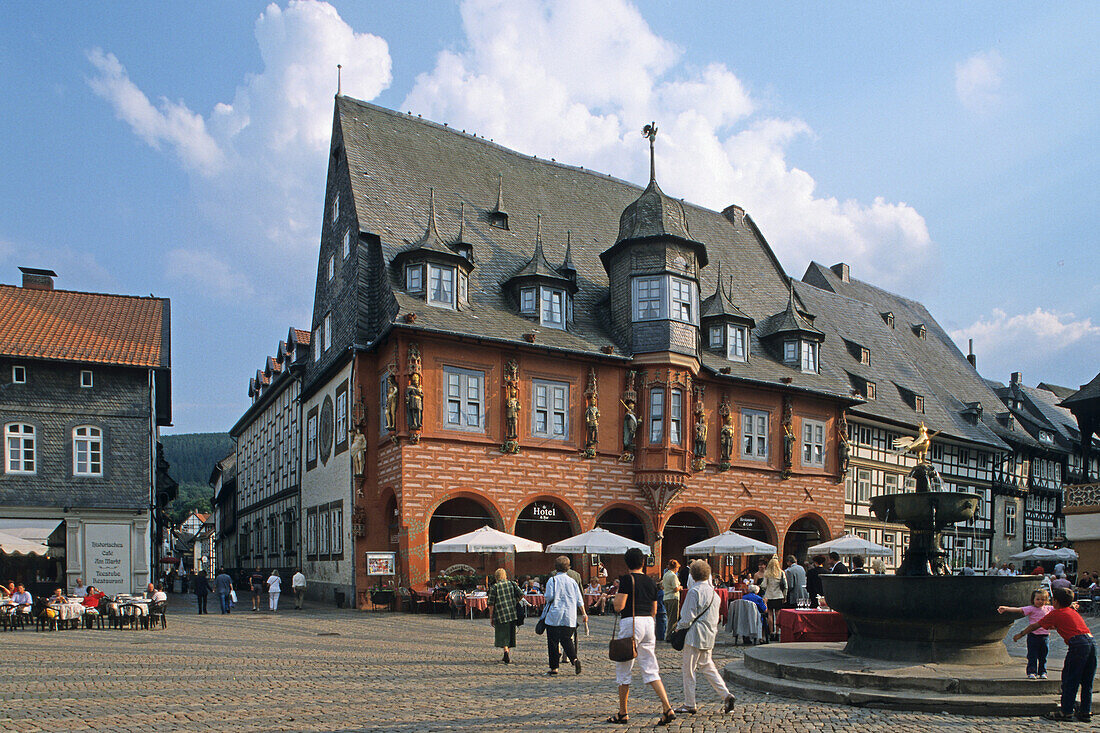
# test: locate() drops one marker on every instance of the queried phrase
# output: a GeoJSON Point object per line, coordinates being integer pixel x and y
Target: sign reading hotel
{"type": "Point", "coordinates": [107, 557]}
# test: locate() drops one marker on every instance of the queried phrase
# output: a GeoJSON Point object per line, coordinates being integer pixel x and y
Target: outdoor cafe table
{"type": "Point", "coordinates": [477, 603]}
{"type": "Point", "coordinates": [538, 600]}
{"type": "Point", "coordinates": [68, 610]}
{"type": "Point", "coordinates": [811, 625]}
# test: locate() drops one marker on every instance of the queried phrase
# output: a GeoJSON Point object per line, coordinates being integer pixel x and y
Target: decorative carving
{"type": "Point", "coordinates": [660, 489]}
{"type": "Point", "coordinates": [700, 445]}
{"type": "Point", "coordinates": [358, 452]}
{"type": "Point", "coordinates": [591, 416]}
{"type": "Point", "coordinates": [630, 419]}
{"type": "Point", "coordinates": [919, 445]}
{"type": "Point", "coordinates": [414, 396]}
{"type": "Point", "coordinates": [788, 436]}
{"type": "Point", "coordinates": [725, 441]}
{"type": "Point", "coordinates": [843, 445]}
{"type": "Point", "coordinates": [392, 397]}
{"type": "Point", "coordinates": [511, 407]}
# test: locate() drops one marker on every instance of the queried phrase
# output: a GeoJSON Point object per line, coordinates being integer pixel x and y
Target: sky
{"type": "Point", "coordinates": [948, 152]}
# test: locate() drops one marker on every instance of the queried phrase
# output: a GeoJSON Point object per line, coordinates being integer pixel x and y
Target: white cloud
{"type": "Point", "coordinates": [576, 81]}
{"type": "Point", "coordinates": [978, 80]}
{"type": "Point", "coordinates": [258, 161]}
{"type": "Point", "coordinates": [217, 278]}
{"type": "Point", "coordinates": [1035, 341]}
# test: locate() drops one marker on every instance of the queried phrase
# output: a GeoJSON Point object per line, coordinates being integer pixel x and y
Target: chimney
{"type": "Point", "coordinates": [970, 357]}
{"type": "Point", "coordinates": [1017, 379]}
{"type": "Point", "coordinates": [735, 214]}
{"type": "Point", "coordinates": [35, 279]}
{"type": "Point", "coordinates": [842, 271]}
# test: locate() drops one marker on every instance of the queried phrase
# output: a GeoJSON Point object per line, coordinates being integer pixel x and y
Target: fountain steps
{"type": "Point", "coordinates": [822, 672]}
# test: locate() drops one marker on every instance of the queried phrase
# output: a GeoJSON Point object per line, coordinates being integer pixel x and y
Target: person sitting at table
{"type": "Point", "coordinates": [79, 589]}
{"type": "Point", "coordinates": [58, 596]}
{"type": "Point", "coordinates": [158, 594]}
{"type": "Point", "coordinates": [752, 593]}
{"type": "Point", "coordinates": [858, 569]}
{"type": "Point", "coordinates": [532, 586]}
{"type": "Point", "coordinates": [594, 589]}
{"type": "Point", "coordinates": [21, 597]}
{"type": "Point", "coordinates": [92, 596]}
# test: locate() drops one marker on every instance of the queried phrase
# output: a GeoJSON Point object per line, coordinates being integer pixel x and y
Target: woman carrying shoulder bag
{"type": "Point", "coordinates": [504, 597]}
{"type": "Point", "coordinates": [636, 601]}
{"type": "Point", "coordinates": [699, 624]}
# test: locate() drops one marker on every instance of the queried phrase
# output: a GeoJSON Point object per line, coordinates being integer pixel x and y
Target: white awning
{"type": "Point", "coordinates": [26, 536]}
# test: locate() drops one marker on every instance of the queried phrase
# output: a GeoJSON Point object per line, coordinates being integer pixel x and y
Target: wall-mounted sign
{"type": "Point", "coordinates": [749, 522]}
{"type": "Point", "coordinates": [381, 563]}
{"type": "Point", "coordinates": [544, 511]}
{"type": "Point", "coordinates": [107, 557]}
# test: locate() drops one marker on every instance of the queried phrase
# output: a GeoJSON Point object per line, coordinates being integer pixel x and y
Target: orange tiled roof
{"type": "Point", "coordinates": [88, 327]}
{"type": "Point", "coordinates": [302, 336]}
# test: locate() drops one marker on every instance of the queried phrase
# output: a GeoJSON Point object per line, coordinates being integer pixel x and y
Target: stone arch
{"type": "Point", "coordinates": [462, 512]}
{"type": "Point", "coordinates": [763, 529]}
{"type": "Point", "coordinates": [626, 519]}
{"type": "Point", "coordinates": [684, 526]}
{"type": "Point", "coordinates": [547, 519]}
{"type": "Point", "coordinates": [805, 530]}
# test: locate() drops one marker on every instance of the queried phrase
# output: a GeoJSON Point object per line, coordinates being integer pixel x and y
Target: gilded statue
{"type": "Point", "coordinates": [358, 452]}
{"type": "Point", "coordinates": [391, 402]}
{"type": "Point", "coordinates": [511, 416]}
{"type": "Point", "coordinates": [414, 403]}
{"type": "Point", "coordinates": [630, 428]}
{"type": "Point", "coordinates": [918, 445]}
{"type": "Point", "coordinates": [725, 440]}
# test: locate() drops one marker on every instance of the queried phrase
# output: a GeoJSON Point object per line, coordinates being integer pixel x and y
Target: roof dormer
{"type": "Point", "coordinates": [726, 327]}
{"type": "Point", "coordinates": [431, 269]}
{"type": "Point", "coordinates": [498, 217]}
{"type": "Point", "coordinates": [792, 334]}
{"type": "Point", "coordinates": [541, 291]}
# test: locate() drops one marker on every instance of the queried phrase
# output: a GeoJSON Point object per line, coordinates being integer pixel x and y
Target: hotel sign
{"type": "Point", "coordinates": [544, 511]}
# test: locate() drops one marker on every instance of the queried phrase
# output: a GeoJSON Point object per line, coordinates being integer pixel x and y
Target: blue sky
{"type": "Point", "coordinates": [949, 152]}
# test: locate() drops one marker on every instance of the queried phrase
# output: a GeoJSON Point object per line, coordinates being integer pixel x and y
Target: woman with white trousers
{"type": "Point", "coordinates": [699, 615]}
{"type": "Point", "coordinates": [274, 586]}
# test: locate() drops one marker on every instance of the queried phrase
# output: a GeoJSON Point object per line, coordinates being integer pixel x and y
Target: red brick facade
{"type": "Point", "coordinates": [415, 478]}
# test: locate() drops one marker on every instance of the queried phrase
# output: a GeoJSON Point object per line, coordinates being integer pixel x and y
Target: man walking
{"type": "Point", "coordinates": [670, 585]}
{"type": "Point", "coordinates": [223, 585]}
{"type": "Point", "coordinates": [256, 581]}
{"type": "Point", "coordinates": [298, 585]}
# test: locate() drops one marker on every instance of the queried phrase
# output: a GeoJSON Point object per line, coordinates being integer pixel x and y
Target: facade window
{"type": "Point", "coordinates": [715, 337]}
{"type": "Point", "coordinates": [754, 431]}
{"type": "Point", "coordinates": [441, 286]}
{"type": "Point", "coordinates": [341, 417]}
{"type": "Point", "coordinates": [328, 331]}
{"type": "Point", "coordinates": [871, 391]}
{"type": "Point", "coordinates": [813, 443]}
{"type": "Point", "coordinates": [311, 439]}
{"type": "Point", "coordinates": [87, 451]}
{"type": "Point", "coordinates": [683, 300]}
{"type": "Point", "coordinates": [463, 288]}
{"type": "Point", "coordinates": [790, 352]}
{"type": "Point", "coordinates": [311, 533]}
{"type": "Point", "coordinates": [335, 208]}
{"type": "Point", "coordinates": [864, 356]}
{"type": "Point", "coordinates": [656, 416]}
{"type": "Point", "coordinates": [527, 301]}
{"type": "Point", "coordinates": [288, 533]}
{"type": "Point", "coordinates": [809, 356]}
{"type": "Point", "coordinates": [331, 267]}
{"type": "Point", "coordinates": [1010, 519]}
{"type": "Point", "coordinates": [863, 486]}
{"type": "Point", "coordinates": [315, 344]}
{"type": "Point", "coordinates": [738, 343]}
{"type": "Point", "coordinates": [551, 413]}
{"type": "Point", "coordinates": [918, 403]}
{"type": "Point", "coordinates": [1046, 436]}
{"type": "Point", "coordinates": [273, 536]}
{"type": "Point", "coordinates": [649, 297]}
{"type": "Point", "coordinates": [86, 378]}
{"type": "Point", "coordinates": [19, 442]}
{"type": "Point", "coordinates": [323, 532]}
{"type": "Point", "coordinates": [414, 278]}
{"type": "Point", "coordinates": [675, 416]}
{"type": "Point", "coordinates": [465, 405]}
{"type": "Point", "coordinates": [553, 308]}
{"type": "Point", "coordinates": [18, 374]}
{"type": "Point", "coordinates": [337, 525]}
{"type": "Point", "coordinates": [347, 243]}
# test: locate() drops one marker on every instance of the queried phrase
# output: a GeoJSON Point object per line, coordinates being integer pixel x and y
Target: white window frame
{"type": "Point", "coordinates": [649, 294]}
{"type": "Point", "coordinates": [323, 535]}
{"type": "Point", "coordinates": [528, 301]}
{"type": "Point", "coordinates": [871, 390]}
{"type": "Point", "coordinates": [463, 288]}
{"type": "Point", "coordinates": [315, 344]}
{"type": "Point", "coordinates": [311, 533]}
{"type": "Point", "coordinates": [18, 374]}
{"type": "Point", "coordinates": [737, 343]}
{"type": "Point", "coordinates": [715, 337]}
{"type": "Point", "coordinates": [347, 243]}
{"type": "Point", "coordinates": [552, 308]}
{"type": "Point", "coordinates": [341, 417]}
{"type": "Point", "coordinates": [335, 208]}
{"type": "Point", "coordinates": [87, 451]}
{"type": "Point", "coordinates": [443, 287]}
{"type": "Point", "coordinates": [331, 266]}
{"type": "Point", "coordinates": [790, 352]}
{"type": "Point", "coordinates": [465, 394]}
{"type": "Point", "coordinates": [328, 331]}
{"type": "Point", "coordinates": [810, 357]}
{"type": "Point", "coordinates": [676, 417]}
{"type": "Point", "coordinates": [863, 485]}
{"type": "Point", "coordinates": [336, 527]}
{"type": "Point", "coordinates": [656, 415]}
{"type": "Point", "coordinates": [311, 439]}
{"type": "Point", "coordinates": [20, 439]}
{"type": "Point", "coordinates": [683, 300]}
{"type": "Point", "coordinates": [755, 425]}
{"type": "Point", "coordinates": [87, 379]}
{"type": "Point", "coordinates": [414, 278]}
{"type": "Point", "coordinates": [550, 409]}
{"type": "Point", "coordinates": [813, 443]}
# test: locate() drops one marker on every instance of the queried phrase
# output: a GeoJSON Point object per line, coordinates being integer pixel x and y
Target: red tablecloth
{"type": "Point", "coordinates": [590, 598]}
{"type": "Point", "coordinates": [480, 603]}
{"type": "Point", "coordinates": [536, 599]}
{"type": "Point", "coordinates": [811, 626]}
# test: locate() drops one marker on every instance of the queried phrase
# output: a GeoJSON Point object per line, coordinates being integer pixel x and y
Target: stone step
{"type": "Point", "coordinates": [737, 673]}
{"type": "Point", "coordinates": [826, 664]}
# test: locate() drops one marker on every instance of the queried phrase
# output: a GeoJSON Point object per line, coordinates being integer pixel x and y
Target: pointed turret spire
{"type": "Point", "coordinates": [500, 195]}
{"type": "Point", "coordinates": [538, 236]}
{"type": "Point", "coordinates": [567, 263]}
{"type": "Point", "coordinates": [720, 305]}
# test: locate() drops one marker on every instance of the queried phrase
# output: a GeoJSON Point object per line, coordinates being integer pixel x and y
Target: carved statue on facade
{"type": "Point", "coordinates": [591, 417]}
{"type": "Point", "coordinates": [358, 452]}
{"type": "Point", "coordinates": [843, 446]}
{"type": "Point", "coordinates": [788, 436]}
{"type": "Point", "coordinates": [725, 441]}
{"type": "Point", "coordinates": [700, 444]}
{"type": "Point", "coordinates": [630, 419]}
{"type": "Point", "coordinates": [414, 403]}
{"type": "Point", "coordinates": [391, 402]}
{"type": "Point", "coordinates": [512, 408]}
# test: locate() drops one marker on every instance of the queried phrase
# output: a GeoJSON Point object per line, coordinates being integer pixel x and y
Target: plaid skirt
{"type": "Point", "coordinates": [505, 634]}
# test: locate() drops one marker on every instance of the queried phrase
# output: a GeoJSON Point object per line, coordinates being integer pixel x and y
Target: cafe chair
{"type": "Point", "coordinates": [45, 618]}
{"type": "Point", "coordinates": [158, 612]}
{"type": "Point", "coordinates": [456, 600]}
{"type": "Point", "coordinates": [405, 600]}
{"type": "Point", "coordinates": [744, 621]}
{"type": "Point", "coordinates": [440, 602]}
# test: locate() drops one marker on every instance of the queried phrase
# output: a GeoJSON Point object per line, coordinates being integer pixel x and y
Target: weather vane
{"type": "Point", "coordinates": [650, 131]}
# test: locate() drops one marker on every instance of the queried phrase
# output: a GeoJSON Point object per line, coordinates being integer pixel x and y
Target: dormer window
{"type": "Point", "coordinates": [665, 296]}
{"type": "Point", "coordinates": [1046, 436]}
{"type": "Point", "coordinates": [498, 220]}
{"type": "Point", "coordinates": [527, 301]}
{"type": "Point", "coordinates": [335, 208]}
{"type": "Point", "coordinates": [918, 403]}
{"type": "Point", "coordinates": [18, 374]}
{"type": "Point", "coordinates": [648, 298]}
{"type": "Point", "coordinates": [553, 308]}
{"type": "Point", "coordinates": [715, 337]}
{"type": "Point", "coordinates": [864, 355]}
{"type": "Point", "coordinates": [809, 356]}
{"type": "Point", "coordinates": [888, 317]}
{"type": "Point", "coordinates": [790, 352]}
{"type": "Point", "coordinates": [802, 353]}
{"type": "Point", "coordinates": [738, 343]}
{"type": "Point", "coordinates": [441, 286]}
{"type": "Point", "coordinates": [414, 278]}
{"type": "Point", "coordinates": [870, 390]}
{"type": "Point", "coordinates": [920, 330]}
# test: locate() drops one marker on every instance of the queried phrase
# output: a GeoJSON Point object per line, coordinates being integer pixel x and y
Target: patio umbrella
{"type": "Point", "coordinates": [596, 541]}
{"type": "Point", "coordinates": [487, 539]}
{"type": "Point", "coordinates": [1037, 554]}
{"type": "Point", "coordinates": [730, 543]}
{"type": "Point", "coordinates": [850, 544]}
{"type": "Point", "coordinates": [1066, 553]}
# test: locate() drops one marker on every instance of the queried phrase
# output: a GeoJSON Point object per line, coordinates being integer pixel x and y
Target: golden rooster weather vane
{"type": "Point", "coordinates": [918, 445]}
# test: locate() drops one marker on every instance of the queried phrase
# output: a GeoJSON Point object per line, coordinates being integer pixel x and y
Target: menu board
{"type": "Point", "coordinates": [107, 557]}
{"type": "Point", "coordinates": [381, 563]}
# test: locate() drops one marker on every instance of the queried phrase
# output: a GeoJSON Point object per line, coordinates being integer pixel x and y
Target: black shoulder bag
{"type": "Point", "coordinates": [679, 636]}
{"type": "Point", "coordinates": [625, 649]}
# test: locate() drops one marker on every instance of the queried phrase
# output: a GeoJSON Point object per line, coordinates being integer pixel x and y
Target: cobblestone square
{"type": "Point", "coordinates": [332, 670]}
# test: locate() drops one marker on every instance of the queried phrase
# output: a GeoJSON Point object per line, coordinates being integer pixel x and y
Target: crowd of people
{"type": "Point", "coordinates": [253, 583]}
{"type": "Point", "coordinates": [24, 607]}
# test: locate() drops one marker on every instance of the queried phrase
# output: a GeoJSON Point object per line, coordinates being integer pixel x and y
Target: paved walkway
{"type": "Point", "coordinates": [329, 670]}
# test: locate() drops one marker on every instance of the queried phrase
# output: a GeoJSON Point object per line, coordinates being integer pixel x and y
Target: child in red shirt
{"type": "Point", "coordinates": [1079, 668]}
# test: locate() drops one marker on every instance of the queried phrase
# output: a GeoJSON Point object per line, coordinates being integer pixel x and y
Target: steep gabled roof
{"type": "Point", "coordinates": [1088, 393]}
{"type": "Point", "coordinates": [94, 328]}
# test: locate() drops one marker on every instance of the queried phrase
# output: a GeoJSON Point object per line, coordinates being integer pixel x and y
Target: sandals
{"type": "Point", "coordinates": [685, 710]}
{"type": "Point", "coordinates": [667, 718]}
{"type": "Point", "coordinates": [727, 707]}
{"type": "Point", "coordinates": [620, 718]}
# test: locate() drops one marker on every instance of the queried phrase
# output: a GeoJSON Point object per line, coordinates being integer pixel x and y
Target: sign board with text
{"type": "Point", "coordinates": [107, 557]}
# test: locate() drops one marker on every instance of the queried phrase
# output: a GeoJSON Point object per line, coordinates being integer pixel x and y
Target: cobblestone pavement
{"type": "Point", "coordinates": [326, 670]}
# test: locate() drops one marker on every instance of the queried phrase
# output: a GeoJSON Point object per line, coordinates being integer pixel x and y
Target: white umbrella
{"type": "Point", "coordinates": [1037, 554]}
{"type": "Point", "coordinates": [1066, 553]}
{"type": "Point", "coordinates": [597, 541]}
{"type": "Point", "coordinates": [730, 543]}
{"type": "Point", "coordinates": [487, 539]}
{"type": "Point", "coordinates": [850, 544]}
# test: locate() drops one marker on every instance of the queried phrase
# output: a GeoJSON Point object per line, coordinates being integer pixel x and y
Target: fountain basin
{"type": "Point", "coordinates": [925, 619]}
{"type": "Point", "coordinates": [931, 511]}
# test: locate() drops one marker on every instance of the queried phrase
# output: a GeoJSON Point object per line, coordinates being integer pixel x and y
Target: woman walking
{"type": "Point", "coordinates": [504, 594]}
{"type": "Point", "coordinates": [700, 617]}
{"type": "Point", "coordinates": [202, 590]}
{"type": "Point", "coordinates": [636, 601]}
{"type": "Point", "coordinates": [563, 602]}
{"type": "Point", "coordinates": [774, 590]}
{"type": "Point", "coordinates": [274, 588]}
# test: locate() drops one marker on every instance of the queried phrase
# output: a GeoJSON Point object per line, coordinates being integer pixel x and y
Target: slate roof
{"type": "Point", "coordinates": [1060, 391]}
{"type": "Point", "coordinates": [94, 328]}
{"type": "Point", "coordinates": [932, 367]}
{"type": "Point", "coordinates": [720, 306]}
{"type": "Point", "coordinates": [789, 321]}
{"type": "Point", "coordinates": [395, 159]}
{"type": "Point", "coordinates": [1087, 393]}
{"type": "Point", "coordinates": [1039, 409]}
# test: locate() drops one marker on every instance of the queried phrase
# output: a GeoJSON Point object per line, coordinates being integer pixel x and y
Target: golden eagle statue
{"type": "Point", "coordinates": [918, 445]}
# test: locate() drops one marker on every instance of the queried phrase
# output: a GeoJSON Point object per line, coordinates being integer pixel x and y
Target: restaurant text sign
{"type": "Point", "coordinates": [107, 557]}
